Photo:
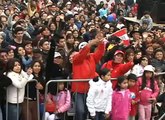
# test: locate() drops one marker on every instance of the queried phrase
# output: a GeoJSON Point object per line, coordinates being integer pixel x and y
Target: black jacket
{"type": "Point", "coordinates": [54, 71]}
{"type": "Point", "coordinates": [4, 82]}
{"type": "Point", "coordinates": [161, 99]}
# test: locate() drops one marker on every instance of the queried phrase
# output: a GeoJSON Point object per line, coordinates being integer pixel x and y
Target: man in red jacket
{"type": "Point", "coordinates": [84, 67]}
{"type": "Point", "coordinates": [117, 67]}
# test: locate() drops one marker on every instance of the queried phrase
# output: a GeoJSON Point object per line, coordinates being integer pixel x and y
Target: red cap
{"type": "Point", "coordinates": [119, 52]}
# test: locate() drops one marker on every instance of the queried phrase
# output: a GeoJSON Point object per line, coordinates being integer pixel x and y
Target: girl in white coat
{"type": "Point", "coordinates": [15, 92]}
{"type": "Point", "coordinates": [100, 96]}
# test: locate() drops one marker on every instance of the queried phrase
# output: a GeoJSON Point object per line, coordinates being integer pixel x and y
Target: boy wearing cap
{"type": "Point", "coordinates": [117, 67]}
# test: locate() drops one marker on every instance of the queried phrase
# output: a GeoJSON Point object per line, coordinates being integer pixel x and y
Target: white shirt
{"type": "Point", "coordinates": [138, 70]}
{"type": "Point", "coordinates": [17, 89]}
{"type": "Point", "coordinates": [99, 97]}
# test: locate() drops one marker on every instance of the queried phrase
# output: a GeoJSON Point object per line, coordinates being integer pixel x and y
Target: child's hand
{"type": "Point", "coordinates": [133, 102]}
{"type": "Point", "coordinates": [56, 111]}
{"type": "Point", "coordinates": [152, 100]}
{"type": "Point", "coordinates": [49, 101]}
{"type": "Point", "coordinates": [92, 117]}
{"type": "Point", "coordinates": [29, 71]}
{"type": "Point", "coordinates": [39, 86]}
{"type": "Point", "coordinates": [106, 116]}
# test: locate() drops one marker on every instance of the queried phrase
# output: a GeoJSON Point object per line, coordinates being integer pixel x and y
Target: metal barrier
{"type": "Point", "coordinates": [38, 113]}
{"type": "Point", "coordinates": [162, 117]}
{"type": "Point", "coordinates": [77, 80]}
{"type": "Point", "coordinates": [46, 91]}
{"type": "Point", "coordinates": [58, 81]}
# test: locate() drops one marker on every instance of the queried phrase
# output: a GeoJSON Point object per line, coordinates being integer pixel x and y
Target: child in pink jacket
{"type": "Point", "coordinates": [149, 90]}
{"type": "Point", "coordinates": [121, 100]}
{"type": "Point", "coordinates": [62, 101]}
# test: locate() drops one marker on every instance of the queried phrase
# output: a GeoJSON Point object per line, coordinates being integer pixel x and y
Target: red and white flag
{"type": "Point", "coordinates": [122, 34]}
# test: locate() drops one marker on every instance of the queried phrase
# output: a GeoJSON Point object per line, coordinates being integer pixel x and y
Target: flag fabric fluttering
{"type": "Point", "coordinates": [122, 34]}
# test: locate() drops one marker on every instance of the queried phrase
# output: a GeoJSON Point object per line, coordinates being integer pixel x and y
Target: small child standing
{"type": "Point", "coordinates": [100, 96]}
{"type": "Point", "coordinates": [62, 103]}
{"type": "Point", "coordinates": [134, 89]}
{"type": "Point", "coordinates": [121, 100]}
{"type": "Point", "coordinates": [149, 90]}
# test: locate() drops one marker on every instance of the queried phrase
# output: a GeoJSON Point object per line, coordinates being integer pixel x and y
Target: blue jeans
{"type": "Point", "coordinates": [14, 111]}
{"type": "Point", "coordinates": [100, 116]}
{"type": "Point", "coordinates": [80, 106]}
{"type": "Point", "coordinates": [41, 106]}
{"type": "Point", "coordinates": [1, 118]}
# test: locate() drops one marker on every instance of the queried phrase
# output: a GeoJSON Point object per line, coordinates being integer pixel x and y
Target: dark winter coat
{"type": "Point", "coordinates": [4, 82]}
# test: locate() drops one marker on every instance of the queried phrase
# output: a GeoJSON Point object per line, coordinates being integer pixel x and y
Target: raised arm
{"type": "Point", "coordinates": [126, 67]}
{"type": "Point", "coordinates": [79, 58]}
{"type": "Point", "coordinates": [98, 54]}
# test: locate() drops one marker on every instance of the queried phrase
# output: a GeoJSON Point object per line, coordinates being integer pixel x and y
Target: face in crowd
{"type": "Point", "coordinates": [118, 58]}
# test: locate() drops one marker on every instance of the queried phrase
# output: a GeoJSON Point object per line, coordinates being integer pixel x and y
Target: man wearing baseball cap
{"type": "Point", "coordinates": [84, 67]}
{"type": "Point", "coordinates": [117, 67]}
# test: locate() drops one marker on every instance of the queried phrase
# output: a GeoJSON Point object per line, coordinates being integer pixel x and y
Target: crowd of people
{"type": "Point", "coordinates": [74, 39]}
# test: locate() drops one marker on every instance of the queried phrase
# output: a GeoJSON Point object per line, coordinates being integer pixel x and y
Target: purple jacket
{"type": "Point", "coordinates": [63, 101]}
{"type": "Point", "coordinates": [121, 105]}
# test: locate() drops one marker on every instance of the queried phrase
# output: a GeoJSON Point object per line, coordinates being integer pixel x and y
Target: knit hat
{"type": "Point", "coordinates": [132, 76]}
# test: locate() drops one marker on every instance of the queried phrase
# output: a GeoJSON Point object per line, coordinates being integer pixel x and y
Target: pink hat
{"type": "Point", "coordinates": [119, 52]}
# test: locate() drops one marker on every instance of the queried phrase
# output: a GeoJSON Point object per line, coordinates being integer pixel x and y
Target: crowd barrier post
{"type": "Point", "coordinates": [162, 117]}
{"type": "Point", "coordinates": [37, 92]}
{"type": "Point", "coordinates": [38, 114]}
{"type": "Point", "coordinates": [58, 81]}
{"type": "Point", "coordinates": [7, 105]}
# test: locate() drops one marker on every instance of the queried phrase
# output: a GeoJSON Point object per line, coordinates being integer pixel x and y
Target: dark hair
{"type": "Point", "coordinates": [3, 50]}
{"type": "Point", "coordinates": [41, 71]}
{"type": "Point", "coordinates": [34, 21]}
{"type": "Point", "coordinates": [132, 76]}
{"type": "Point", "coordinates": [17, 29]}
{"type": "Point", "coordinates": [102, 72]}
{"type": "Point", "coordinates": [65, 86]}
{"type": "Point", "coordinates": [26, 43]}
{"type": "Point", "coordinates": [93, 33]}
{"type": "Point", "coordinates": [146, 12]}
{"type": "Point", "coordinates": [75, 31]}
{"type": "Point", "coordinates": [41, 42]}
{"type": "Point", "coordinates": [11, 63]}
{"type": "Point", "coordinates": [127, 53]}
{"type": "Point", "coordinates": [119, 81]}
{"type": "Point", "coordinates": [43, 28]}
{"type": "Point", "coordinates": [51, 24]}
{"type": "Point", "coordinates": [144, 56]}
{"type": "Point", "coordinates": [68, 36]}
{"type": "Point", "coordinates": [144, 81]}
{"type": "Point", "coordinates": [158, 50]}
{"type": "Point", "coordinates": [2, 67]}
{"type": "Point", "coordinates": [15, 15]}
